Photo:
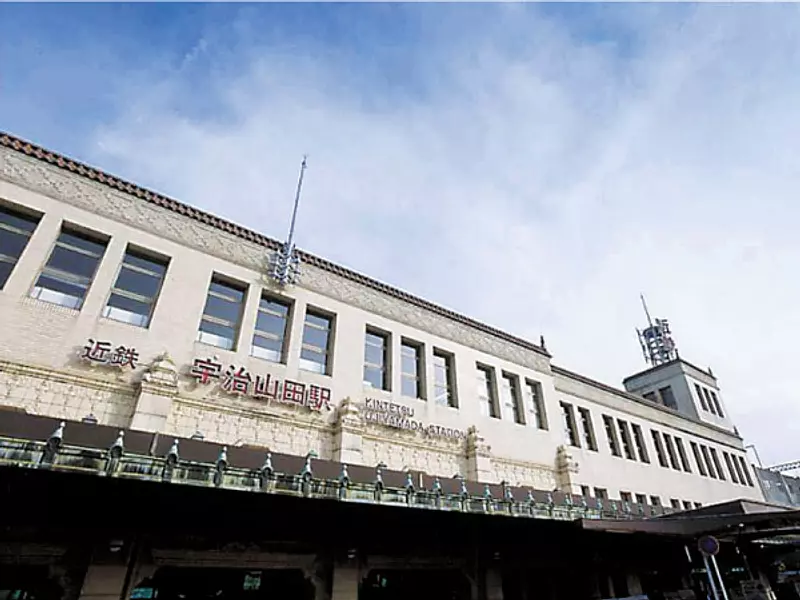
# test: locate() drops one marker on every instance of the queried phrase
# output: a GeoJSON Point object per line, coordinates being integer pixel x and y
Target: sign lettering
{"type": "Point", "coordinates": [238, 381]}
{"type": "Point", "coordinates": [397, 416]}
{"type": "Point", "coordinates": [104, 353]}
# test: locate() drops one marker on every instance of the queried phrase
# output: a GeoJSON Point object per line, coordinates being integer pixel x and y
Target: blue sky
{"type": "Point", "coordinates": [534, 166]}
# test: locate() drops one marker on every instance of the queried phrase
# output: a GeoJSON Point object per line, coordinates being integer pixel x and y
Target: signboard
{"type": "Point", "coordinates": [237, 381]}
{"type": "Point", "coordinates": [398, 416]}
{"type": "Point", "coordinates": [104, 353]}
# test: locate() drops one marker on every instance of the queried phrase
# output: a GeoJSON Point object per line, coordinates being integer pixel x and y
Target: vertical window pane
{"type": "Point", "coordinates": [222, 315]}
{"type": "Point", "coordinates": [411, 370]}
{"type": "Point", "coordinates": [707, 460]}
{"type": "Point", "coordinates": [444, 393]}
{"type": "Point", "coordinates": [702, 398]}
{"type": "Point", "coordinates": [509, 392]}
{"type": "Point", "coordinates": [611, 435]}
{"type": "Point", "coordinates": [698, 459]}
{"type": "Point", "coordinates": [715, 401]}
{"type": "Point", "coordinates": [69, 271]}
{"type": "Point", "coordinates": [570, 431]}
{"type": "Point", "coordinates": [673, 458]}
{"type": "Point", "coordinates": [682, 455]}
{"type": "Point", "coordinates": [731, 470]}
{"type": "Point", "coordinates": [486, 393]}
{"type": "Point", "coordinates": [587, 429]}
{"type": "Point", "coordinates": [138, 284]}
{"type": "Point", "coordinates": [269, 336]}
{"type": "Point", "coordinates": [533, 392]}
{"type": "Point", "coordinates": [16, 229]}
{"type": "Point", "coordinates": [315, 350]}
{"type": "Point", "coordinates": [717, 464]}
{"type": "Point", "coordinates": [376, 348]}
{"type": "Point", "coordinates": [640, 444]}
{"type": "Point", "coordinates": [662, 457]}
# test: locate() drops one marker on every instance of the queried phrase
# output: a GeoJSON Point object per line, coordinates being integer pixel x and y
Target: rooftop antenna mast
{"type": "Point", "coordinates": [285, 263]}
{"type": "Point", "coordinates": [656, 340]}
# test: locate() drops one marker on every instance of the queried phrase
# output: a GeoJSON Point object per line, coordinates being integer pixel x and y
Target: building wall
{"type": "Point", "coordinates": [41, 369]}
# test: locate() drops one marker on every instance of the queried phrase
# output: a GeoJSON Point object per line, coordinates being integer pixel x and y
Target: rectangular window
{"type": "Point", "coordinates": [641, 447]}
{"type": "Point", "coordinates": [731, 469]}
{"type": "Point", "coordinates": [509, 393]}
{"type": "Point", "coordinates": [702, 398]}
{"type": "Point", "coordinates": [444, 387]}
{"type": "Point", "coordinates": [715, 401]}
{"type": "Point", "coordinates": [588, 429]}
{"type": "Point", "coordinates": [745, 472]}
{"type": "Point", "coordinates": [626, 497]}
{"type": "Point", "coordinates": [486, 392]}
{"type": "Point", "coordinates": [650, 396]}
{"type": "Point", "coordinates": [16, 228]}
{"type": "Point", "coordinates": [655, 500]}
{"type": "Point", "coordinates": [641, 499]}
{"type": "Point", "coordinates": [709, 464]}
{"type": "Point", "coordinates": [272, 324]}
{"type": "Point", "coordinates": [709, 403]}
{"type": "Point", "coordinates": [687, 505]}
{"type": "Point", "coordinates": [717, 464]}
{"type": "Point", "coordinates": [585, 492]}
{"type": "Point", "coordinates": [222, 315]}
{"type": "Point", "coordinates": [316, 347]}
{"type": "Point", "coordinates": [675, 503]}
{"type": "Point", "coordinates": [682, 455]}
{"type": "Point", "coordinates": [133, 297]}
{"type": "Point", "coordinates": [625, 436]}
{"type": "Point", "coordinates": [698, 504]}
{"type": "Point", "coordinates": [668, 397]}
{"type": "Point", "coordinates": [611, 435]}
{"type": "Point", "coordinates": [70, 270]}
{"type": "Point", "coordinates": [376, 359]}
{"type": "Point", "coordinates": [411, 367]}
{"type": "Point", "coordinates": [535, 403]}
{"type": "Point", "coordinates": [698, 459]}
{"type": "Point", "coordinates": [570, 430]}
{"type": "Point", "coordinates": [601, 493]}
{"type": "Point", "coordinates": [673, 458]}
{"type": "Point", "coordinates": [662, 457]}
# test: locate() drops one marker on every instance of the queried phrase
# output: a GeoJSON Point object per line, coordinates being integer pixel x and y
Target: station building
{"type": "Point", "coordinates": [128, 310]}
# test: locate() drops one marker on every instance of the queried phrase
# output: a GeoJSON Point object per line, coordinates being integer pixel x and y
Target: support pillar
{"type": "Point", "coordinates": [104, 582]}
{"type": "Point", "coordinates": [346, 579]}
{"type": "Point", "coordinates": [347, 444]}
{"type": "Point", "coordinates": [494, 584]}
{"type": "Point", "coordinates": [479, 458]}
{"type": "Point", "coordinates": [157, 392]}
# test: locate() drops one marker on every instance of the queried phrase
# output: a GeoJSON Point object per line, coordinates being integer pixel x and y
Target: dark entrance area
{"type": "Point", "coordinates": [176, 583]}
{"type": "Point", "coordinates": [27, 583]}
{"type": "Point", "coordinates": [424, 584]}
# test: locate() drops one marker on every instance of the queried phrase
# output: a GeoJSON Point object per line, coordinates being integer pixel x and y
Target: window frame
{"type": "Point", "coordinates": [386, 358]}
{"type": "Point", "coordinates": [21, 213]}
{"type": "Point", "coordinates": [288, 317]}
{"type": "Point", "coordinates": [419, 376]}
{"type": "Point", "coordinates": [304, 364]}
{"type": "Point", "coordinates": [487, 393]}
{"type": "Point", "coordinates": [143, 255]}
{"type": "Point", "coordinates": [449, 361]}
{"type": "Point", "coordinates": [232, 284]}
{"type": "Point", "coordinates": [514, 396]}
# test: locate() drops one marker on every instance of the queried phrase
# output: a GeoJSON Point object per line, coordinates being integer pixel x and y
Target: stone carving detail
{"type": "Point", "coordinates": [566, 466]}
{"type": "Point", "coordinates": [348, 414]}
{"type": "Point", "coordinates": [476, 443]}
{"type": "Point", "coordinates": [162, 372]}
{"type": "Point", "coordinates": [73, 189]}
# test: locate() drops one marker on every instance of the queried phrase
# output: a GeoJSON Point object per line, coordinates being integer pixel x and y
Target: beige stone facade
{"type": "Point", "coordinates": [43, 372]}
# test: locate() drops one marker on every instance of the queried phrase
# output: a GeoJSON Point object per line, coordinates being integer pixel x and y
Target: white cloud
{"type": "Point", "coordinates": [536, 182]}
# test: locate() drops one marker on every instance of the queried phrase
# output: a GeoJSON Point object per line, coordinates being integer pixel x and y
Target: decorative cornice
{"type": "Point", "coordinates": [37, 169]}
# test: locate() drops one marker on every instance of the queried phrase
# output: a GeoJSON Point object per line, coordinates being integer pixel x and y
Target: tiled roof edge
{"type": "Point", "coordinates": [29, 149]}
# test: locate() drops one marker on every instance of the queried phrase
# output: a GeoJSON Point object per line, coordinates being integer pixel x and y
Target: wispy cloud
{"type": "Point", "coordinates": [529, 166]}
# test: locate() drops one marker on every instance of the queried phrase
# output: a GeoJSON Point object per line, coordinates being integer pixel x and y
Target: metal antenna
{"type": "Point", "coordinates": [285, 263]}
{"type": "Point", "coordinates": [656, 340]}
{"type": "Point", "coordinates": [646, 312]}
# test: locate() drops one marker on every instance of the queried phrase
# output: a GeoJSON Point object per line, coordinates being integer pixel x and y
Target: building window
{"type": "Point", "coordinates": [133, 297]}
{"type": "Point", "coordinates": [601, 493]}
{"type": "Point", "coordinates": [702, 398]}
{"type": "Point", "coordinates": [69, 271]}
{"type": "Point", "coordinates": [715, 400]}
{"type": "Point", "coordinates": [682, 455]}
{"type": "Point", "coordinates": [673, 458]}
{"type": "Point", "coordinates": [731, 470]}
{"type": "Point", "coordinates": [675, 503]}
{"type": "Point", "coordinates": [668, 397]}
{"type": "Point", "coordinates": [315, 350]}
{"type": "Point", "coordinates": [709, 403]}
{"type": "Point", "coordinates": [650, 396]}
{"type": "Point", "coordinates": [486, 393]}
{"type": "Point", "coordinates": [222, 315]}
{"type": "Point", "coordinates": [585, 492]}
{"type": "Point", "coordinates": [444, 387]}
{"type": "Point", "coordinates": [746, 472]}
{"type": "Point", "coordinates": [588, 429]}
{"type": "Point", "coordinates": [625, 436]}
{"type": "Point", "coordinates": [641, 447]}
{"type": "Point", "coordinates": [707, 460]}
{"type": "Point", "coordinates": [641, 499]}
{"type": "Point", "coordinates": [698, 504]}
{"type": "Point", "coordinates": [699, 460]}
{"type": "Point", "coordinates": [626, 497]}
{"type": "Point", "coordinates": [570, 430]}
{"type": "Point", "coordinates": [376, 359]}
{"type": "Point", "coordinates": [717, 464]}
{"type": "Point", "coordinates": [510, 394]}
{"type": "Point", "coordinates": [272, 323]}
{"type": "Point", "coordinates": [611, 435]}
{"type": "Point", "coordinates": [535, 403]}
{"type": "Point", "coordinates": [411, 369]}
{"type": "Point", "coordinates": [687, 505]}
{"type": "Point", "coordinates": [655, 500]}
{"type": "Point", "coordinates": [16, 228]}
{"type": "Point", "coordinates": [662, 457]}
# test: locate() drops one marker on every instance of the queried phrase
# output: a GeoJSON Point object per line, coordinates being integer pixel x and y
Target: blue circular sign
{"type": "Point", "coordinates": [708, 545]}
